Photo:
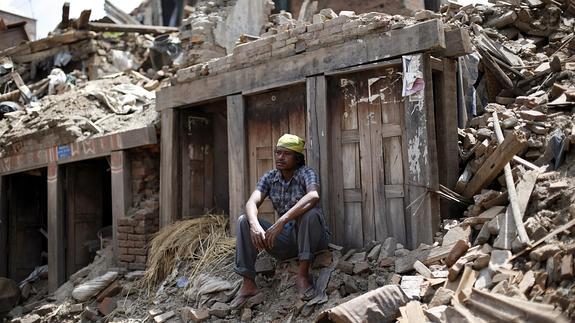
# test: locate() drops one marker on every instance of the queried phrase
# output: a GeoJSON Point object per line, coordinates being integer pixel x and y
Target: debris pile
{"type": "Point", "coordinates": [290, 38]}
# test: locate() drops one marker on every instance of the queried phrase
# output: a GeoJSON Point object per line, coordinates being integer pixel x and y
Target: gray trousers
{"type": "Point", "coordinates": [299, 238]}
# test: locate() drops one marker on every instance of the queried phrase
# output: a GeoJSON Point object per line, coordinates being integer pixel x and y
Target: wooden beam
{"type": "Point", "coordinates": [446, 129]}
{"type": "Point", "coordinates": [312, 144]}
{"type": "Point", "coordinates": [169, 169]}
{"type": "Point", "coordinates": [237, 157]}
{"type": "Point", "coordinates": [457, 43]}
{"type": "Point", "coordinates": [56, 242]}
{"type": "Point", "coordinates": [47, 43]}
{"type": "Point", "coordinates": [427, 257]}
{"type": "Point", "coordinates": [65, 15]}
{"type": "Point", "coordinates": [421, 37]}
{"type": "Point", "coordinates": [143, 29]}
{"type": "Point", "coordinates": [121, 191]}
{"type": "Point", "coordinates": [84, 19]}
{"type": "Point", "coordinates": [324, 143]}
{"type": "Point", "coordinates": [87, 149]}
{"type": "Point", "coordinates": [3, 227]}
{"type": "Point", "coordinates": [420, 145]}
{"type": "Point", "coordinates": [495, 163]}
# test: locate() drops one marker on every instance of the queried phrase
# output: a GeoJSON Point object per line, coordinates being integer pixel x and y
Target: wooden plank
{"type": "Point", "coordinates": [494, 164]}
{"type": "Point", "coordinates": [324, 134]}
{"type": "Point", "coordinates": [169, 171]}
{"type": "Point", "coordinates": [417, 38]}
{"type": "Point", "coordinates": [446, 130]}
{"type": "Point", "coordinates": [376, 132]}
{"type": "Point", "coordinates": [3, 226]}
{"type": "Point", "coordinates": [143, 29]}
{"type": "Point", "coordinates": [419, 220]}
{"type": "Point", "coordinates": [336, 208]}
{"type": "Point", "coordinates": [121, 191]}
{"type": "Point", "coordinates": [366, 169]}
{"type": "Point", "coordinates": [427, 257]}
{"type": "Point", "coordinates": [391, 110]}
{"type": "Point", "coordinates": [414, 312]}
{"type": "Point", "coordinates": [65, 15]}
{"type": "Point", "coordinates": [434, 212]}
{"type": "Point", "coordinates": [237, 157]}
{"type": "Point", "coordinates": [56, 241]}
{"type": "Point", "coordinates": [312, 143]}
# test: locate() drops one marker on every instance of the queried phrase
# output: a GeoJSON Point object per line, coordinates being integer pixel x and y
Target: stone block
{"type": "Point", "coordinates": [220, 310]}
{"type": "Point", "coordinates": [189, 314]}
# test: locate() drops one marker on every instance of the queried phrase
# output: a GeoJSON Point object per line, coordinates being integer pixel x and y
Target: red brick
{"type": "Point", "coordinates": [107, 306]}
{"type": "Point", "coordinates": [122, 251]}
{"type": "Point", "coordinates": [140, 260]}
{"type": "Point", "coordinates": [135, 266]}
{"type": "Point", "coordinates": [127, 258]}
{"type": "Point", "coordinates": [137, 237]}
{"type": "Point", "coordinates": [122, 236]}
{"type": "Point", "coordinates": [122, 264]}
{"type": "Point", "coordinates": [125, 243]}
{"type": "Point", "coordinates": [139, 230]}
{"type": "Point", "coordinates": [125, 229]}
{"type": "Point", "coordinates": [140, 244]}
{"type": "Point", "coordinates": [137, 251]}
{"type": "Point", "coordinates": [112, 290]}
{"type": "Point", "coordinates": [126, 221]}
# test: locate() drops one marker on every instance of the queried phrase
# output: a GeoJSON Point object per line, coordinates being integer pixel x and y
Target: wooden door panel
{"type": "Point", "coordinates": [197, 162]}
{"type": "Point", "coordinates": [269, 116]}
{"type": "Point", "coordinates": [371, 129]}
{"type": "Point", "coordinates": [85, 208]}
{"type": "Point", "coordinates": [25, 209]}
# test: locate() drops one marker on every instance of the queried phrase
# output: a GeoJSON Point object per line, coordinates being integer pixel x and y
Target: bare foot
{"type": "Point", "coordinates": [249, 289]}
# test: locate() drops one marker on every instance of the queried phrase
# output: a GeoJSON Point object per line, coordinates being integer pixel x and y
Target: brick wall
{"type": "Point", "coordinates": [137, 229]}
{"type": "Point", "coordinates": [292, 39]}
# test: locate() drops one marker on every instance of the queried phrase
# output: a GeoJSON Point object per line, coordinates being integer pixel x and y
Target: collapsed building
{"type": "Point", "coordinates": [421, 183]}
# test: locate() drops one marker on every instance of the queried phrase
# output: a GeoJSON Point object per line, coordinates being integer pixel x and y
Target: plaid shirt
{"type": "Point", "coordinates": [285, 194]}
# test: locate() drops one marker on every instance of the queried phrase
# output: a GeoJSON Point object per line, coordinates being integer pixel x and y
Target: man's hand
{"type": "Point", "coordinates": [258, 235]}
{"type": "Point", "coordinates": [273, 232]}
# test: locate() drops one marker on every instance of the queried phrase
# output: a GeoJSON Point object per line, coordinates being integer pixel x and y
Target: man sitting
{"type": "Point", "coordinates": [300, 231]}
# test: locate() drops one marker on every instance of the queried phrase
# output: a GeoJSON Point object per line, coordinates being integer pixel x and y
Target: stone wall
{"type": "Point", "coordinates": [137, 229]}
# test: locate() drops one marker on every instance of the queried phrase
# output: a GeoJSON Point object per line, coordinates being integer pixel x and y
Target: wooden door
{"type": "Point", "coordinates": [270, 115]}
{"type": "Point", "coordinates": [85, 211]}
{"type": "Point", "coordinates": [27, 216]}
{"type": "Point", "coordinates": [367, 150]}
{"type": "Point", "coordinates": [197, 164]}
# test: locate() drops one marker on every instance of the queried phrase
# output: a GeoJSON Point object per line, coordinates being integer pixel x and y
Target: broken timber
{"type": "Point", "coordinates": [512, 193]}
{"type": "Point", "coordinates": [427, 257]}
{"type": "Point", "coordinates": [495, 163]}
{"type": "Point", "coordinates": [102, 26]}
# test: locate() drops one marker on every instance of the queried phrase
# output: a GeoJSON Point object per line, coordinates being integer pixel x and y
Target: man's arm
{"type": "Point", "coordinates": [257, 233]}
{"type": "Point", "coordinates": [308, 201]}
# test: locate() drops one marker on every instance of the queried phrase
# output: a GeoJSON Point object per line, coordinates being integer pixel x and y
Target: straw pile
{"type": "Point", "coordinates": [201, 243]}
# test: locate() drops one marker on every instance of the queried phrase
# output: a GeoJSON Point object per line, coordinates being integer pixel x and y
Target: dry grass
{"type": "Point", "coordinates": [201, 243]}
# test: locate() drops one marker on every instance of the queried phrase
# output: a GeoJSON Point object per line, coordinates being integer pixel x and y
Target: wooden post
{"type": "Point", "coordinates": [3, 228]}
{"type": "Point", "coordinates": [419, 142]}
{"type": "Point", "coordinates": [121, 192]}
{"type": "Point", "coordinates": [317, 137]}
{"type": "Point", "coordinates": [237, 157]}
{"type": "Point", "coordinates": [169, 169]}
{"type": "Point", "coordinates": [56, 257]}
{"type": "Point", "coordinates": [446, 130]}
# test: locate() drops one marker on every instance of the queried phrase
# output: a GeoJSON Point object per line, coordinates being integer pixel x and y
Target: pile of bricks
{"type": "Point", "coordinates": [296, 38]}
{"type": "Point", "coordinates": [134, 234]}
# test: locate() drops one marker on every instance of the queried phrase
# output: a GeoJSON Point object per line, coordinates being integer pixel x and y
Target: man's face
{"type": "Point", "coordinates": [285, 159]}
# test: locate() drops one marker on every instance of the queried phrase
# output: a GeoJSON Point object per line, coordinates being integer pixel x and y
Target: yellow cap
{"type": "Point", "coordinates": [291, 142]}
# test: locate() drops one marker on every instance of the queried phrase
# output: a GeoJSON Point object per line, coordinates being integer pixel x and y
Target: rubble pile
{"type": "Point", "coordinates": [212, 27]}
{"type": "Point", "coordinates": [291, 38]}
